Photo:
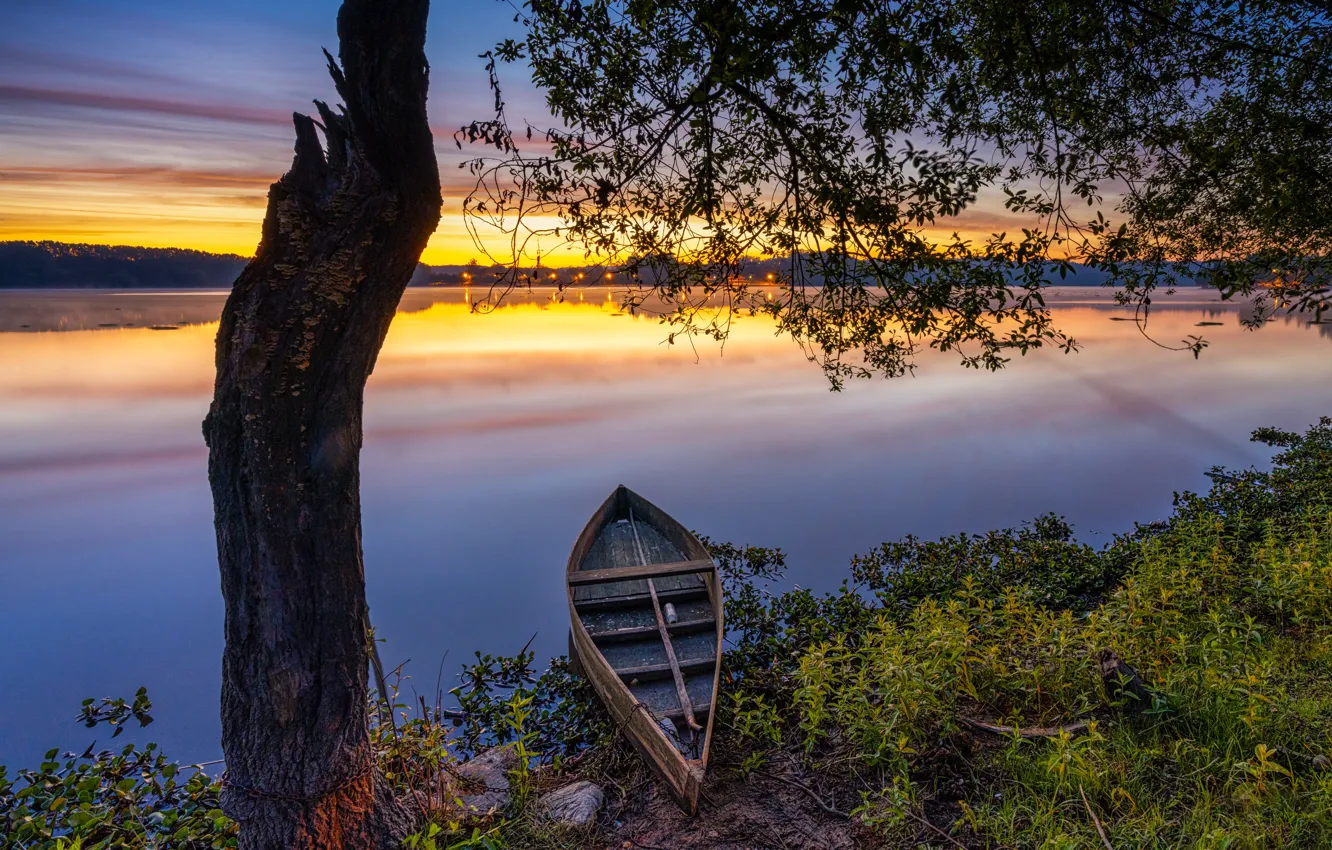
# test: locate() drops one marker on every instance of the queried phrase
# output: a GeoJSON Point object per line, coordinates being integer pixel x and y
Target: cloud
{"type": "Point", "coordinates": [47, 97]}
{"type": "Point", "coordinates": [184, 178]}
{"type": "Point", "coordinates": [86, 460]}
{"type": "Point", "coordinates": [17, 58]}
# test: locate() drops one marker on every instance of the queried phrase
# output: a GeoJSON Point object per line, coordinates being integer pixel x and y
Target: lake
{"type": "Point", "coordinates": [537, 410]}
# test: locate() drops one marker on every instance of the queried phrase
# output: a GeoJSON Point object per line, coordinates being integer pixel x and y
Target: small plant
{"type": "Point", "coordinates": [130, 798]}
{"type": "Point", "coordinates": [435, 837]}
{"type": "Point", "coordinates": [889, 811]}
{"type": "Point", "coordinates": [114, 712]}
{"type": "Point", "coordinates": [520, 713]}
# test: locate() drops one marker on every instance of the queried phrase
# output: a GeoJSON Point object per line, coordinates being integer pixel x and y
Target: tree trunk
{"type": "Point", "coordinates": [299, 337]}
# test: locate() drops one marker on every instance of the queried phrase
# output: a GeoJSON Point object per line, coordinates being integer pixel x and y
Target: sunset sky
{"type": "Point", "coordinates": [162, 123]}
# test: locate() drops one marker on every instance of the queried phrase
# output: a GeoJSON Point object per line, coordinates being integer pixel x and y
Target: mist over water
{"type": "Point", "coordinates": [491, 438]}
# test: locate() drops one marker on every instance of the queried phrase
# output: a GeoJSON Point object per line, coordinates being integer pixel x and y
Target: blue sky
{"type": "Point", "coordinates": [163, 123]}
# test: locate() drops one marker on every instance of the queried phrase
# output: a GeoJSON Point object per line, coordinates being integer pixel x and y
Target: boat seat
{"type": "Point", "coordinates": [681, 627]}
{"type": "Point", "coordinates": [633, 600]}
{"type": "Point", "coordinates": [663, 671]}
{"type": "Point", "coordinates": [642, 572]}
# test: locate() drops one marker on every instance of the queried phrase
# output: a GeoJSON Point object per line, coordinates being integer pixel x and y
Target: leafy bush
{"type": "Point", "coordinates": [567, 718]}
{"type": "Point", "coordinates": [1221, 610]}
{"type": "Point", "coordinates": [131, 798]}
{"type": "Point", "coordinates": [1042, 556]}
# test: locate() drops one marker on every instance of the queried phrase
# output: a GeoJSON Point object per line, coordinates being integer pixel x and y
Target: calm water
{"type": "Point", "coordinates": [491, 438]}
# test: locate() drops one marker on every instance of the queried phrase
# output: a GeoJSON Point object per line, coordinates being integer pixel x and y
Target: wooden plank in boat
{"type": "Point", "coordinates": [659, 695]}
{"type": "Point", "coordinates": [637, 599]}
{"type": "Point", "coordinates": [642, 616]}
{"type": "Point", "coordinates": [649, 651]}
{"type": "Point", "coordinates": [680, 627]}
{"type": "Point", "coordinates": [636, 587]}
{"type": "Point", "coordinates": [615, 547]}
{"type": "Point", "coordinates": [652, 571]}
{"type": "Point", "coordinates": [663, 670]}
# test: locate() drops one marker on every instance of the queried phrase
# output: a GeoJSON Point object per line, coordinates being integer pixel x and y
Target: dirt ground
{"type": "Point", "coordinates": [781, 806]}
{"type": "Point", "coordinates": [759, 812]}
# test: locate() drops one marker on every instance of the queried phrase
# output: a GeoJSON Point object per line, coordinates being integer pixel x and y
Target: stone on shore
{"type": "Point", "coordinates": [573, 805]}
{"type": "Point", "coordinates": [482, 784]}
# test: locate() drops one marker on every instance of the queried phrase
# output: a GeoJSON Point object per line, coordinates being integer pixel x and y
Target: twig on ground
{"type": "Point", "coordinates": [1099, 830]}
{"type": "Point", "coordinates": [772, 836]}
{"type": "Point", "coordinates": [810, 791]}
{"type": "Point", "coordinates": [925, 822]}
{"type": "Point", "coordinates": [1028, 732]}
{"type": "Point", "coordinates": [385, 705]}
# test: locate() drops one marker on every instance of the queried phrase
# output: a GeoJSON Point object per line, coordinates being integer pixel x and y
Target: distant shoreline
{"type": "Point", "coordinates": [46, 309]}
{"type": "Point", "coordinates": [60, 266]}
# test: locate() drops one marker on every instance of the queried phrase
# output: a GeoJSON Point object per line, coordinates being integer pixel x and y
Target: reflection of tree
{"type": "Point", "coordinates": [1324, 327]}
{"type": "Point", "coordinates": [1254, 316]}
{"type": "Point", "coordinates": [1289, 320]}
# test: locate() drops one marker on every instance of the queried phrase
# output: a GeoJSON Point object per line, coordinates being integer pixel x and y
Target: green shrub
{"type": "Point", "coordinates": [130, 798]}
{"type": "Point", "coordinates": [1221, 609]}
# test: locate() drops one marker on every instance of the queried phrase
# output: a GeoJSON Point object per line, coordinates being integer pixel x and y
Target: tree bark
{"type": "Point", "coordinates": [343, 233]}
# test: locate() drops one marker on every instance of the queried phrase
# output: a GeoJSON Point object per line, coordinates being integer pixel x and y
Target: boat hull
{"type": "Point", "coordinates": [660, 681]}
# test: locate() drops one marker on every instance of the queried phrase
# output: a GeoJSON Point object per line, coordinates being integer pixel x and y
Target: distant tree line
{"type": "Point", "coordinates": [55, 265]}
{"type": "Point", "coordinates": [61, 265]}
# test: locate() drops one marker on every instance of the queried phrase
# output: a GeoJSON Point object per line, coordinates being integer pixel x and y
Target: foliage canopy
{"type": "Point", "coordinates": [1155, 140]}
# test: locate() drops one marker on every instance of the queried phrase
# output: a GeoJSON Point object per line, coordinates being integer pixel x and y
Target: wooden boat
{"type": "Point", "coordinates": [645, 604]}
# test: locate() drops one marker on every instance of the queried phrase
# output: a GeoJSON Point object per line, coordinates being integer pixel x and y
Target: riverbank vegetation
{"type": "Point", "coordinates": [1012, 689]}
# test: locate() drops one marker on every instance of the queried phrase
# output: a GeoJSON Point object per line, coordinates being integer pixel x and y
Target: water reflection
{"type": "Point", "coordinates": [489, 439]}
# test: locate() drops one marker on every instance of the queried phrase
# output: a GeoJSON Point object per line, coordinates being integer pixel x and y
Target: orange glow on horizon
{"type": "Point", "coordinates": [223, 213]}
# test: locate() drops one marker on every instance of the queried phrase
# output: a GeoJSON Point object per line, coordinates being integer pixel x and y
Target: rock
{"type": "Point", "coordinates": [1123, 685]}
{"type": "Point", "coordinates": [573, 805]}
{"type": "Point", "coordinates": [482, 784]}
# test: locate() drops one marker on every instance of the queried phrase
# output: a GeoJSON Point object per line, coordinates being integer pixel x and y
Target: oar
{"type": "Point", "coordinates": [685, 703]}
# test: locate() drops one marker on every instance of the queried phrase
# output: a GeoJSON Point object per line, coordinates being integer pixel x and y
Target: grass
{"type": "Point", "coordinates": [1221, 610]}
{"type": "Point", "coordinates": [1238, 654]}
